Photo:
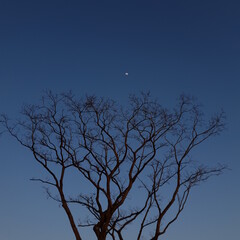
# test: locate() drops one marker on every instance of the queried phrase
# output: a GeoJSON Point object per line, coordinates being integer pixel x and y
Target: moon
{"type": "Point", "coordinates": [126, 73]}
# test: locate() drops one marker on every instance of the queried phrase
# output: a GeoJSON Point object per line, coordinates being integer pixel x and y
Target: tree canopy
{"type": "Point", "coordinates": [134, 162]}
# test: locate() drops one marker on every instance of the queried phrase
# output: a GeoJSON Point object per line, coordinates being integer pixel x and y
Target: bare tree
{"type": "Point", "coordinates": [119, 153]}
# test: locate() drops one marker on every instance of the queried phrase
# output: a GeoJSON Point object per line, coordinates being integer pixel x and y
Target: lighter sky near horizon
{"type": "Point", "coordinates": [113, 49]}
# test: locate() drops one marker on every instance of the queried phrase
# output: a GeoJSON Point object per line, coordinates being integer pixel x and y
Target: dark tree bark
{"type": "Point", "coordinates": [116, 151]}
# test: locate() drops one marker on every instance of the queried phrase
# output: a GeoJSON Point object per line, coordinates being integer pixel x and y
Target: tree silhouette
{"type": "Point", "coordinates": [133, 162]}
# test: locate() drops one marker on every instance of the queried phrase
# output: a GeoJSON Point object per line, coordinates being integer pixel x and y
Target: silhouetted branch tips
{"type": "Point", "coordinates": [117, 152]}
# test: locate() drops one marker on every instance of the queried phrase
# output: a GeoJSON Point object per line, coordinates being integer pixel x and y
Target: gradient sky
{"type": "Point", "coordinates": [167, 47]}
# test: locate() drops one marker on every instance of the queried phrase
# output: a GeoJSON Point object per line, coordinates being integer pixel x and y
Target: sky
{"type": "Point", "coordinates": [166, 47]}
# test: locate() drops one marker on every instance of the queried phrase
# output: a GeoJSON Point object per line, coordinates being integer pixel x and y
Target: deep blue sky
{"type": "Point", "coordinates": [167, 47]}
